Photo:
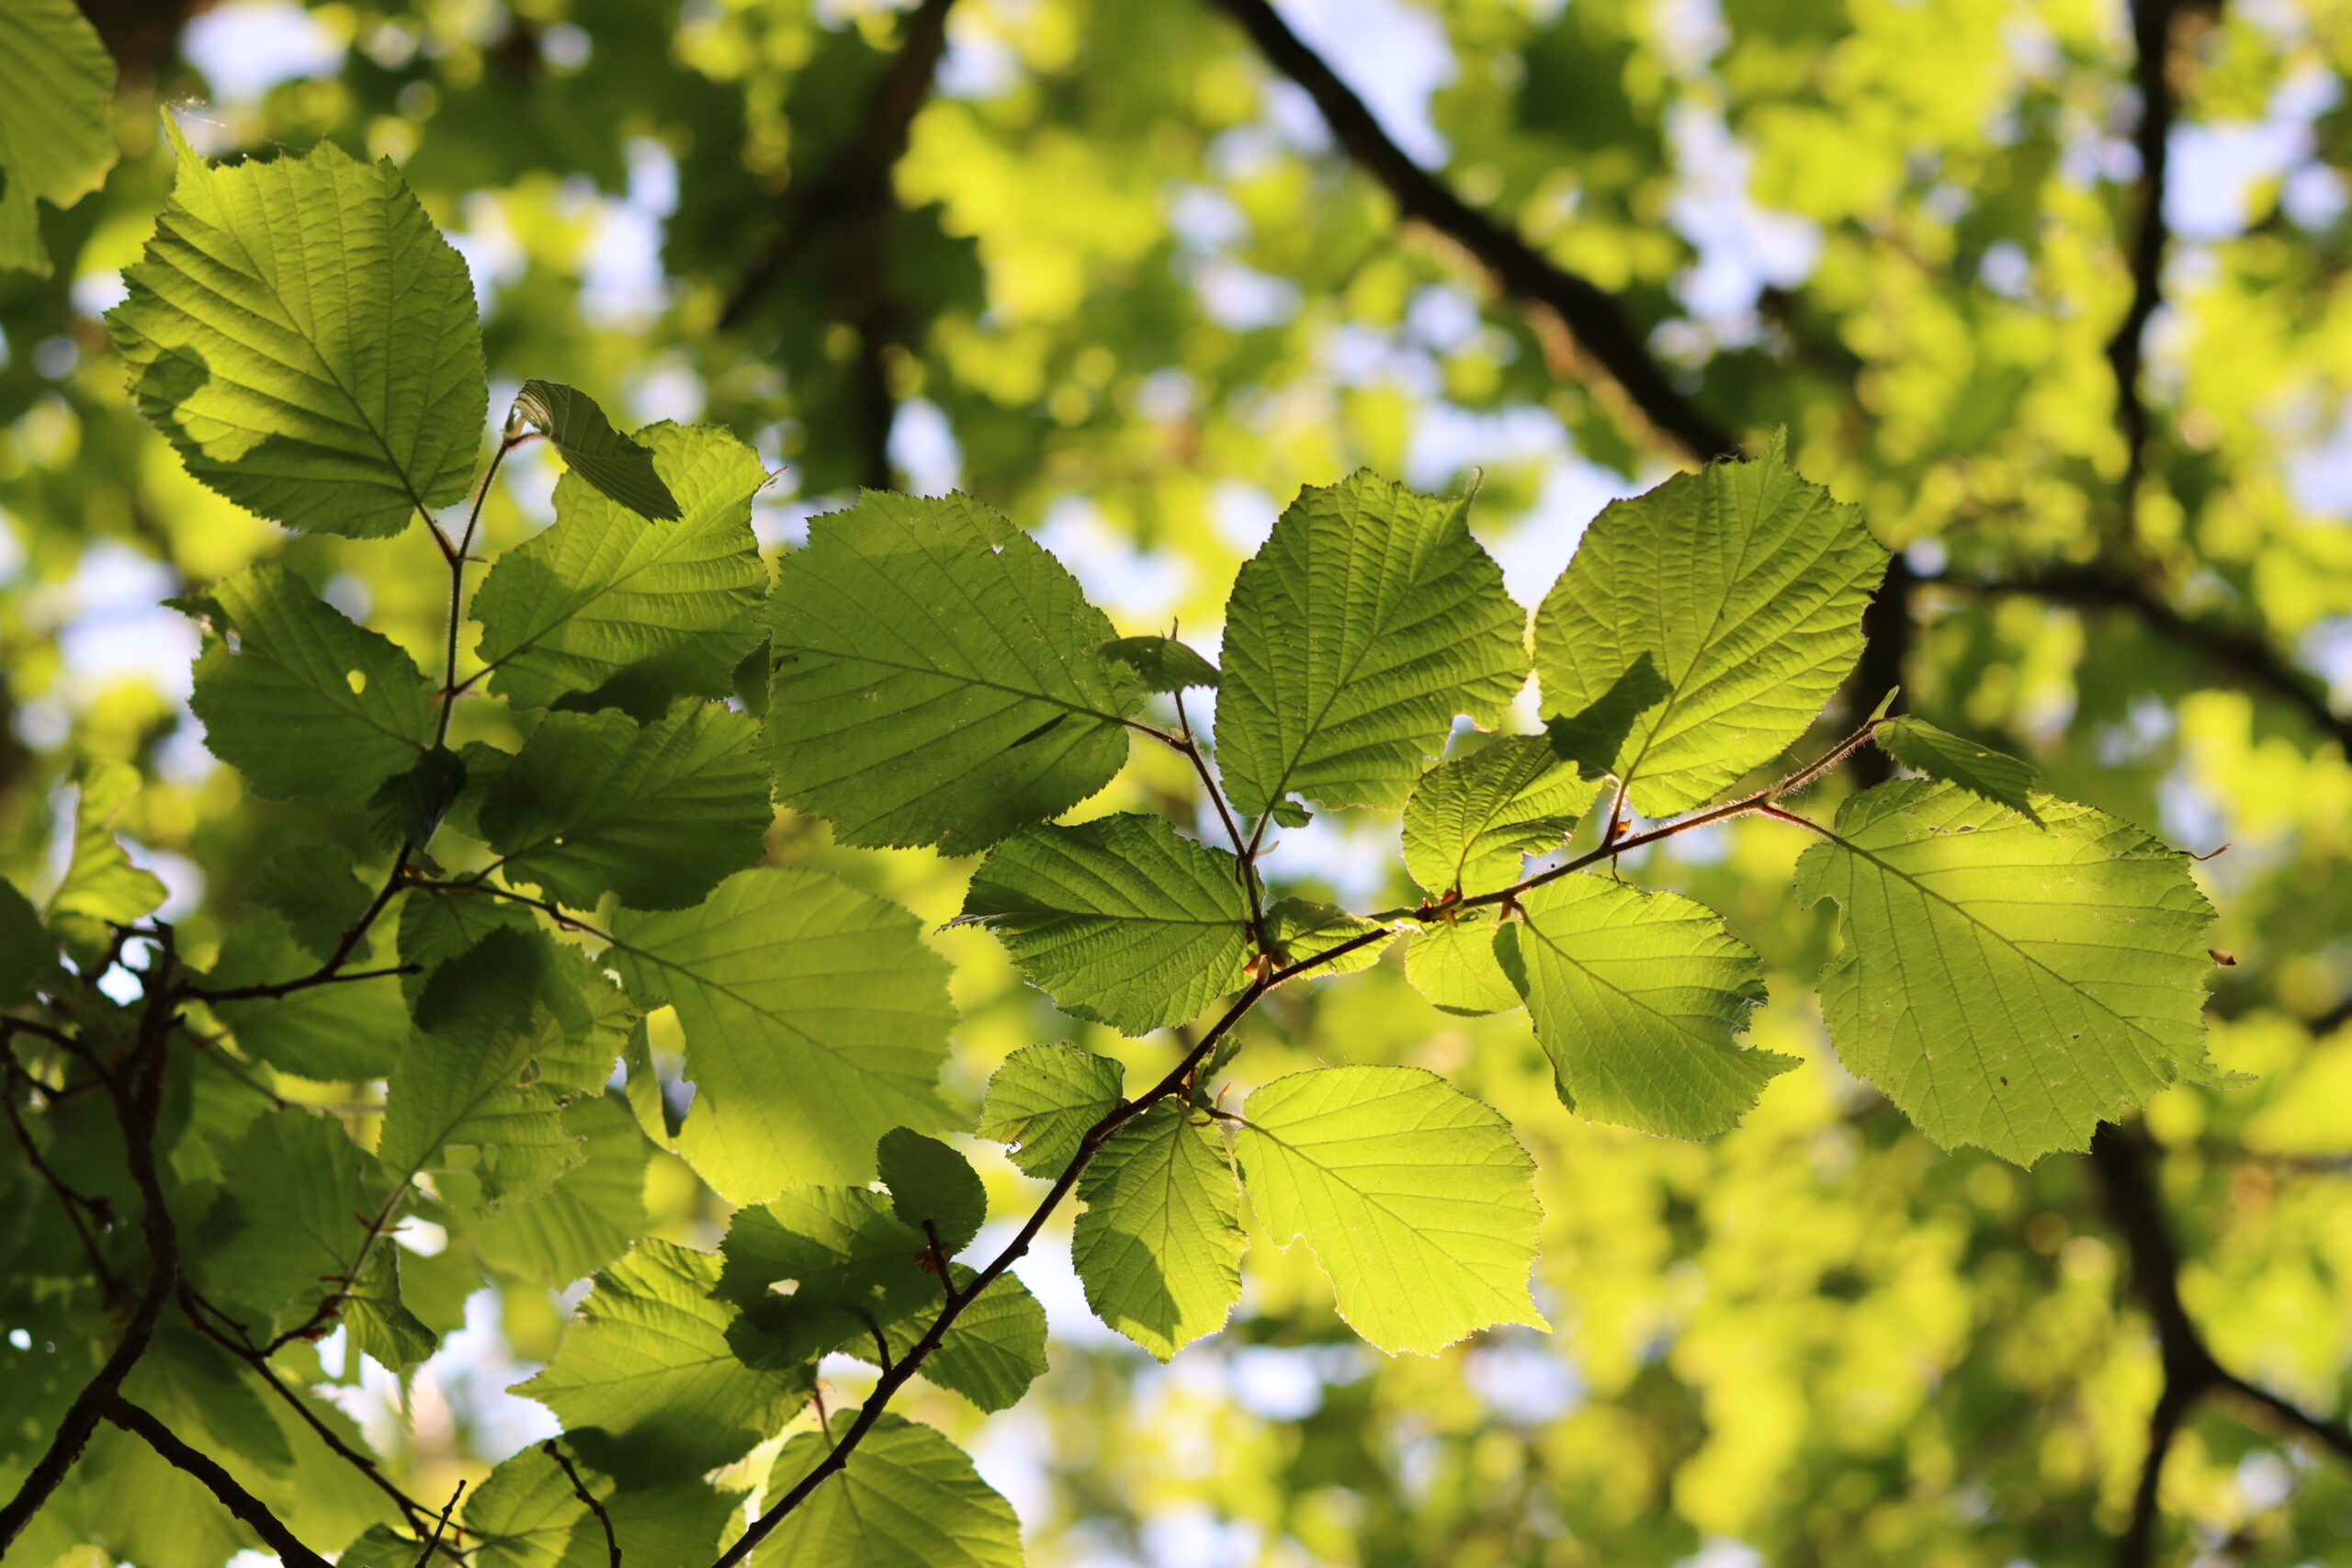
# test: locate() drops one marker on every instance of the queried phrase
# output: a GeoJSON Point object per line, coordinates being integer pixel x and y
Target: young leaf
{"type": "Point", "coordinates": [1304, 930]}
{"type": "Point", "coordinates": [1161, 663]}
{"type": "Point", "coordinates": [620, 469]}
{"type": "Point", "coordinates": [1121, 920]}
{"type": "Point", "coordinates": [907, 1498]}
{"type": "Point", "coordinates": [937, 678]}
{"type": "Point", "coordinates": [308, 705]}
{"type": "Point", "coordinates": [1453, 963]}
{"type": "Point", "coordinates": [1986, 773]}
{"type": "Point", "coordinates": [815, 1018]}
{"type": "Point", "coordinates": [1745, 587]}
{"type": "Point", "coordinates": [379, 1323]}
{"type": "Point", "coordinates": [100, 883]}
{"type": "Point", "coordinates": [645, 1381]}
{"type": "Point", "coordinates": [2007, 984]}
{"type": "Point", "coordinates": [604, 590]}
{"type": "Point", "coordinates": [1159, 1242]}
{"type": "Point", "coordinates": [1638, 997]}
{"type": "Point", "coordinates": [1044, 1099]}
{"type": "Point", "coordinates": [303, 334]}
{"type": "Point", "coordinates": [1368, 620]}
{"type": "Point", "coordinates": [1471, 821]}
{"type": "Point", "coordinates": [1418, 1202]}
{"type": "Point", "coordinates": [316, 889]}
{"type": "Point", "coordinates": [56, 140]}
{"type": "Point", "coordinates": [933, 1185]}
{"type": "Point", "coordinates": [596, 804]}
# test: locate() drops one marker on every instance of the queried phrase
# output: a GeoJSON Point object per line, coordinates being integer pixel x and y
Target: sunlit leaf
{"type": "Point", "coordinates": [1044, 1099]}
{"type": "Point", "coordinates": [1159, 1242]}
{"type": "Point", "coordinates": [1984, 772]}
{"type": "Point", "coordinates": [1470, 822]}
{"type": "Point", "coordinates": [56, 81]}
{"type": "Point", "coordinates": [620, 469]}
{"type": "Point", "coordinates": [909, 1498]}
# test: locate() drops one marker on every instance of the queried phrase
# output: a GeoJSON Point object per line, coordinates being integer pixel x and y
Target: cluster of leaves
{"type": "Point", "coordinates": [921, 674]}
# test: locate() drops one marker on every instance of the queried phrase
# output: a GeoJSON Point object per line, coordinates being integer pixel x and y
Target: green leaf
{"type": "Point", "coordinates": [1470, 822]}
{"type": "Point", "coordinates": [437, 926]}
{"type": "Point", "coordinates": [1417, 1202]}
{"type": "Point", "coordinates": [1638, 997]}
{"type": "Point", "coordinates": [937, 678]}
{"type": "Point", "coordinates": [851, 1260]}
{"type": "Point", "coordinates": [679, 1522]}
{"type": "Point", "coordinates": [645, 1381]}
{"type": "Point", "coordinates": [1986, 773]}
{"type": "Point", "coordinates": [1043, 1100]}
{"type": "Point", "coordinates": [101, 883]}
{"type": "Point", "coordinates": [589, 1216]}
{"type": "Point", "coordinates": [1369, 619]}
{"type": "Point", "coordinates": [308, 705]}
{"type": "Point", "coordinates": [407, 808]}
{"type": "Point", "coordinates": [1453, 963]}
{"type": "Point", "coordinates": [991, 1353]}
{"type": "Point", "coordinates": [1161, 663]}
{"type": "Point", "coordinates": [603, 591]}
{"type": "Point", "coordinates": [2007, 985]}
{"type": "Point", "coordinates": [1288, 813]}
{"type": "Point", "coordinates": [596, 804]}
{"type": "Point", "coordinates": [620, 469]}
{"type": "Point", "coordinates": [316, 889]}
{"type": "Point", "coordinates": [56, 136]}
{"type": "Point", "coordinates": [296, 1212]}
{"type": "Point", "coordinates": [1304, 930]}
{"type": "Point", "coordinates": [303, 334]}
{"type": "Point", "coordinates": [28, 956]}
{"type": "Point", "coordinates": [1159, 1242]}
{"type": "Point", "coordinates": [932, 1184]}
{"type": "Point", "coordinates": [907, 1498]}
{"type": "Point", "coordinates": [524, 1511]}
{"type": "Point", "coordinates": [1122, 920]}
{"type": "Point", "coordinates": [503, 1043]}
{"type": "Point", "coordinates": [346, 1032]}
{"type": "Point", "coordinates": [1594, 738]}
{"type": "Point", "coordinates": [815, 1019]}
{"type": "Point", "coordinates": [379, 1323]}
{"type": "Point", "coordinates": [1744, 586]}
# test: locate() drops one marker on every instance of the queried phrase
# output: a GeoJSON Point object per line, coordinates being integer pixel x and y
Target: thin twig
{"type": "Point", "coordinates": [433, 1543]}
{"type": "Point", "coordinates": [580, 1489]}
{"type": "Point", "coordinates": [1245, 866]}
{"type": "Point", "coordinates": [273, 1531]}
{"type": "Point", "coordinates": [71, 1201]}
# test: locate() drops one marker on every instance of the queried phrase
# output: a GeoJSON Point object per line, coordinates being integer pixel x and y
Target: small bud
{"type": "Point", "coordinates": [2223, 956]}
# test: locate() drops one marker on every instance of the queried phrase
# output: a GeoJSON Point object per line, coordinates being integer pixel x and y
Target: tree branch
{"type": "Point", "coordinates": [72, 1202]}
{"type": "Point", "coordinates": [2151, 38]}
{"type": "Point", "coordinates": [579, 1490]}
{"type": "Point", "coordinates": [1592, 315]}
{"type": "Point", "coordinates": [219, 1481]}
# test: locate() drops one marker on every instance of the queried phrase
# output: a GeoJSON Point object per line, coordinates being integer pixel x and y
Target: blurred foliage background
{"type": "Point", "coordinates": [1133, 271]}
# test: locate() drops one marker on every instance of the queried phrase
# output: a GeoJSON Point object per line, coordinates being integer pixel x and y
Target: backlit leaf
{"type": "Point", "coordinates": [620, 468]}
{"type": "Point", "coordinates": [932, 1184]}
{"type": "Point", "coordinates": [909, 1498]}
{"type": "Point", "coordinates": [1161, 663]}
{"type": "Point", "coordinates": [1454, 964]}
{"type": "Point", "coordinates": [56, 83]}
{"type": "Point", "coordinates": [1044, 1099]}
{"type": "Point", "coordinates": [1984, 772]}
{"type": "Point", "coordinates": [1159, 1242]}
{"type": "Point", "coordinates": [1470, 822]}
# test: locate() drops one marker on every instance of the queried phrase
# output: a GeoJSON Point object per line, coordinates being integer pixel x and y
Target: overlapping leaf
{"type": "Point", "coordinates": [1122, 920]}
{"type": "Point", "coordinates": [909, 1498]}
{"type": "Point", "coordinates": [604, 590]}
{"type": "Point", "coordinates": [1984, 772]}
{"type": "Point", "coordinates": [2007, 984]}
{"type": "Point", "coordinates": [938, 678]}
{"type": "Point", "coordinates": [595, 803]}
{"type": "Point", "coordinates": [618, 468]}
{"type": "Point", "coordinates": [932, 1188]}
{"type": "Point", "coordinates": [1159, 1245]}
{"type": "Point", "coordinates": [307, 705]}
{"type": "Point", "coordinates": [303, 334]}
{"type": "Point", "coordinates": [1744, 586]}
{"type": "Point", "coordinates": [1470, 822]}
{"type": "Point", "coordinates": [346, 1032]}
{"type": "Point", "coordinates": [297, 1186]}
{"type": "Point", "coordinates": [1417, 1202]}
{"type": "Point", "coordinates": [1368, 620]}
{"type": "Point", "coordinates": [101, 884]}
{"type": "Point", "coordinates": [646, 1381]}
{"type": "Point", "coordinates": [1043, 1100]}
{"type": "Point", "coordinates": [56, 82]}
{"type": "Point", "coordinates": [1453, 963]}
{"type": "Point", "coordinates": [815, 1019]}
{"type": "Point", "coordinates": [1638, 997]}
{"type": "Point", "coordinates": [589, 1216]}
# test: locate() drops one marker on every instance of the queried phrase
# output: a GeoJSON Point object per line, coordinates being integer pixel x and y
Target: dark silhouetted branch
{"type": "Point", "coordinates": [579, 1490]}
{"type": "Point", "coordinates": [1591, 315]}
{"type": "Point", "coordinates": [2152, 24]}
{"type": "Point", "coordinates": [219, 1481]}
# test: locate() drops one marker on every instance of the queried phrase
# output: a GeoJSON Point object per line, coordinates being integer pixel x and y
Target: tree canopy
{"type": "Point", "coordinates": [1186, 781]}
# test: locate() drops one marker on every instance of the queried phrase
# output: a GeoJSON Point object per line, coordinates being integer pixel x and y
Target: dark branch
{"type": "Point", "coordinates": [1590, 314]}
{"type": "Point", "coordinates": [434, 1544]}
{"type": "Point", "coordinates": [579, 1490]}
{"type": "Point", "coordinates": [73, 1202]}
{"type": "Point", "coordinates": [219, 1481]}
{"type": "Point", "coordinates": [2152, 23]}
{"type": "Point", "coordinates": [858, 182]}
